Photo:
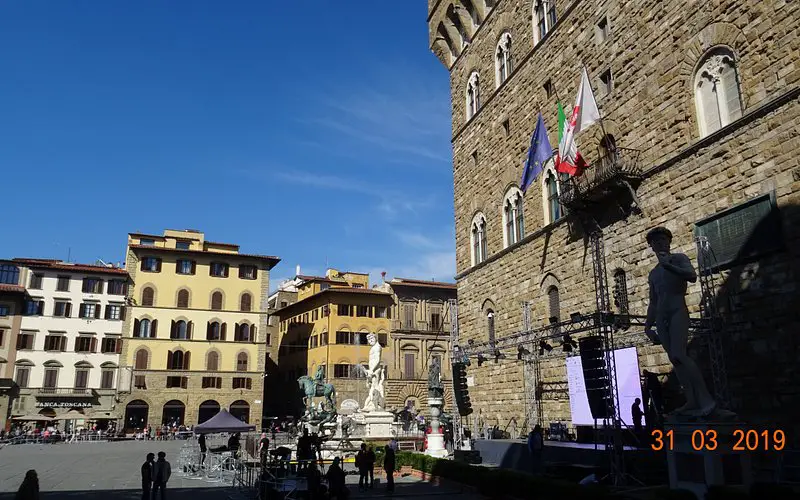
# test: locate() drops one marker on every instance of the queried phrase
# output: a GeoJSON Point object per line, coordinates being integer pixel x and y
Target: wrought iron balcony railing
{"type": "Point", "coordinates": [593, 184]}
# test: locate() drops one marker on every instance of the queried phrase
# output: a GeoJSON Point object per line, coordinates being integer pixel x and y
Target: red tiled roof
{"type": "Point", "coordinates": [272, 260]}
{"type": "Point", "coordinates": [11, 288]}
{"type": "Point", "coordinates": [65, 266]}
{"type": "Point", "coordinates": [413, 282]}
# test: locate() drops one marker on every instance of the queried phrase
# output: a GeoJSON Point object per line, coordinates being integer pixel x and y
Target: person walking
{"type": "Point", "coordinates": [29, 489]}
{"type": "Point", "coordinates": [389, 467]}
{"type": "Point", "coordinates": [147, 476]}
{"type": "Point", "coordinates": [161, 472]}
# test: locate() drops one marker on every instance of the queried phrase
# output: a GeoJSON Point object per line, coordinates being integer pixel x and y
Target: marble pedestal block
{"type": "Point", "coordinates": [693, 464]}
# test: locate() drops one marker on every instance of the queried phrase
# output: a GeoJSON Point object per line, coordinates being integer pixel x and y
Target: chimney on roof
{"type": "Point", "coordinates": [297, 270]}
{"type": "Point", "coordinates": [383, 276]}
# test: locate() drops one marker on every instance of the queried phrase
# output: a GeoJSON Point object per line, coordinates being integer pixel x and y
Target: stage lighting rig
{"type": "Point", "coordinates": [522, 352]}
{"type": "Point", "coordinates": [544, 346]}
{"type": "Point", "coordinates": [568, 344]}
{"type": "Point", "coordinates": [481, 359]}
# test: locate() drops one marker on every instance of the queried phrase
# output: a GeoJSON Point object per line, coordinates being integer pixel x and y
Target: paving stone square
{"type": "Point", "coordinates": [110, 471]}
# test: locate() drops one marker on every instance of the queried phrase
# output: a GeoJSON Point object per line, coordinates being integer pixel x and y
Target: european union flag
{"type": "Point", "coordinates": [538, 154]}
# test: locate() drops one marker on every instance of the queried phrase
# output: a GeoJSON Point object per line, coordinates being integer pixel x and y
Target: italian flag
{"type": "Point", "coordinates": [584, 114]}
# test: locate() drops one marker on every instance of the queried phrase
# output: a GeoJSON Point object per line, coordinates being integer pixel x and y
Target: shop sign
{"type": "Point", "coordinates": [63, 404]}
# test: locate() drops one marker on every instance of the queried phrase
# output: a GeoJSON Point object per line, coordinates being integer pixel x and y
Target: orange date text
{"type": "Point", "coordinates": [708, 440]}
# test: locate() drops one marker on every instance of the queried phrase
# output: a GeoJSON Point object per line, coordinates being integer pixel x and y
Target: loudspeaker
{"type": "Point", "coordinates": [595, 376]}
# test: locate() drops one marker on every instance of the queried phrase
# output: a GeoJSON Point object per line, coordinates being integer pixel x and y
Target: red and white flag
{"type": "Point", "coordinates": [585, 113]}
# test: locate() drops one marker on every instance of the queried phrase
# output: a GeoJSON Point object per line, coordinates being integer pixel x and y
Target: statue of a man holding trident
{"type": "Point", "coordinates": [375, 376]}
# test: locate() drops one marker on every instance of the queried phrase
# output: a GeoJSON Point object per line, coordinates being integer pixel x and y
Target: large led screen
{"type": "Point", "coordinates": [628, 384]}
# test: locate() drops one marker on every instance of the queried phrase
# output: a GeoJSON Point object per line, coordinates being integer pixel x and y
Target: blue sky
{"type": "Point", "coordinates": [316, 131]}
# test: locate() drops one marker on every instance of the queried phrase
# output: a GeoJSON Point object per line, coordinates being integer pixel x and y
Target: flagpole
{"type": "Point", "coordinates": [599, 113]}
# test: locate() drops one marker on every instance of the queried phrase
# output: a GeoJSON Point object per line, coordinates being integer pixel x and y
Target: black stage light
{"type": "Point", "coordinates": [481, 359]}
{"type": "Point", "coordinates": [544, 346]}
{"type": "Point", "coordinates": [568, 343]}
{"type": "Point", "coordinates": [553, 320]}
{"type": "Point", "coordinates": [522, 352]}
{"type": "Point", "coordinates": [575, 317]}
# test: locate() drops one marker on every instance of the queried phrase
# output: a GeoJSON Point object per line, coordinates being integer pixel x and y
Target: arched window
{"type": "Point", "coordinates": [717, 95]}
{"type": "Point", "coordinates": [478, 239]}
{"type": "Point", "coordinates": [212, 361]}
{"type": "Point", "coordinates": [551, 191]}
{"type": "Point", "coordinates": [473, 95]}
{"type": "Point", "coordinates": [216, 301]}
{"type": "Point", "coordinates": [246, 302]}
{"type": "Point", "coordinates": [215, 331]}
{"type": "Point", "coordinates": [502, 59]}
{"type": "Point", "coordinates": [178, 360]}
{"type": "Point", "coordinates": [490, 327]}
{"type": "Point", "coordinates": [180, 330]}
{"type": "Point", "coordinates": [140, 360]}
{"type": "Point", "coordinates": [620, 291]}
{"type": "Point", "coordinates": [554, 302]}
{"type": "Point", "coordinates": [148, 295]}
{"type": "Point", "coordinates": [183, 299]}
{"type": "Point", "coordinates": [513, 217]}
{"type": "Point", "coordinates": [243, 332]}
{"type": "Point", "coordinates": [144, 330]}
{"type": "Point", "coordinates": [241, 362]}
{"type": "Point", "coordinates": [544, 18]}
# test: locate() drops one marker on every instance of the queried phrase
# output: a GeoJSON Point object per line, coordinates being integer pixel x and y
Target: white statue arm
{"type": "Point", "coordinates": [679, 264]}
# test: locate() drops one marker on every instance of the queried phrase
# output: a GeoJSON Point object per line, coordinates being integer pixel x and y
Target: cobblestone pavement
{"type": "Point", "coordinates": [110, 471]}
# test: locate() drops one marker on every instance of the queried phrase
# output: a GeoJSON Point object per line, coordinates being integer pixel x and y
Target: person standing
{"type": "Point", "coordinates": [147, 476]}
{"type": "Point", "coordinates": [29, 489]}
{"type": "Point", "coordinates": [336, 478]}
{"type": "Point", "coordinates": [202, 442]}
{"type": "Point", "coordinates": [637, 414]}
{"type": "Point", "coordinates": [161, 472]}
{"type": "Point", "coordinates": [304, 448]}
{"type": "Point", "coordinates": [371, 466]}
{"type": "Point", "coordinates": [389, 467]}
{"type": "Point", "coordinates": [536, 447]}
{"type": "Point", "coordinates": [361, 465]}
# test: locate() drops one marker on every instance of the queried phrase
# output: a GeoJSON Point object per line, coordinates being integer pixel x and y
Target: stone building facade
{"type": "Point", "coordinates": [194, 335]}
{"type": "Point", "coordinates": [703, 99]}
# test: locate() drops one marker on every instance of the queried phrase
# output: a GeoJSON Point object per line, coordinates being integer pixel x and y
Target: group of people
{"type": "Point", "coordinates": [365, 463]}
{"type": "Point", "coordinates": [155, 475]}
{"type": "Point", "coordinates": [162, 433]}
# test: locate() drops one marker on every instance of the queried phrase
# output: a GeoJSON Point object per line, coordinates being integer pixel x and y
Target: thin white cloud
{"type": "Point", "coordinates": [415, 239]}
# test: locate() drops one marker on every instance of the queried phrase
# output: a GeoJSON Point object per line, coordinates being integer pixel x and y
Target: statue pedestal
{"type": "Point", "coordinates": [692, 466]}
{"type": "Point", "coordinates": [436, 446]}
{"type": "Point", "coordinates": [378, 424]}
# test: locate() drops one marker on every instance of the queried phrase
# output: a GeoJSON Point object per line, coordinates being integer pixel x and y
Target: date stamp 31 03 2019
{"type": "Point", "coordinates": [709, 439]}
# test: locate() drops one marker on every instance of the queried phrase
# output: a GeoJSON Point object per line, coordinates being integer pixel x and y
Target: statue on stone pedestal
{"type": "Point", "coordinates": [668, 313]}
{"type": "Point", "coordinates": [435, 386]}
{"type": "Point", "coordinates": [375, 376]}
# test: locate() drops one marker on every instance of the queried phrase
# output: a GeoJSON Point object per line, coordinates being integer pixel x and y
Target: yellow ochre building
{"type": "Point", "coordinates": [328, 327]}
{"type": "Point", "coordinates": [194, 333]}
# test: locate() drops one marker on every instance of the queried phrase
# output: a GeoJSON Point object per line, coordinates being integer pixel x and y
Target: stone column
{"type": "Point", "coordinates": [436, 446]}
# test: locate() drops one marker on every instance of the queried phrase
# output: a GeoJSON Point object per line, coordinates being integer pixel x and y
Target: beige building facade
{"type": "Point", "coordinates": [194, 340]}
{"type": "Point", "coordinates": [700, 104]}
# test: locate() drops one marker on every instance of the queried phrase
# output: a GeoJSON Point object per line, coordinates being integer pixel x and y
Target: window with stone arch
{"type": "Point", "coordinates": [241, 362]}
{"type": "Point", "coordinates": [544, 19]}
{"type": "Point", "coordinates": [140, 359]}
{"type": "Point", "coordinates": [620, 292]}
{"type": "Point", "coordinates": [212, 361]}
{"type": "Point", "coordinates": [148, 296]}
{"type": "Point", "coordinates": [554, 303]}
{"type": "Point", "coordinates": [183, 299]}
{"type": "Point", "coordinates": [473, 95]}
{"type": "Point", "coordinates": [716, 91]}
{"type": "Point", "coordinates": [216, 301]}
{"type": "Point", "coordinates": [246, 302]}
{"type": "Point", "coordinates": [502, 59]}
{"type": "Point", "coordinates": [551, 190]}
{"type": "Point", "coordinates": [478, 239]}
{"type": "Point", "coordinates": [513, 217]}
